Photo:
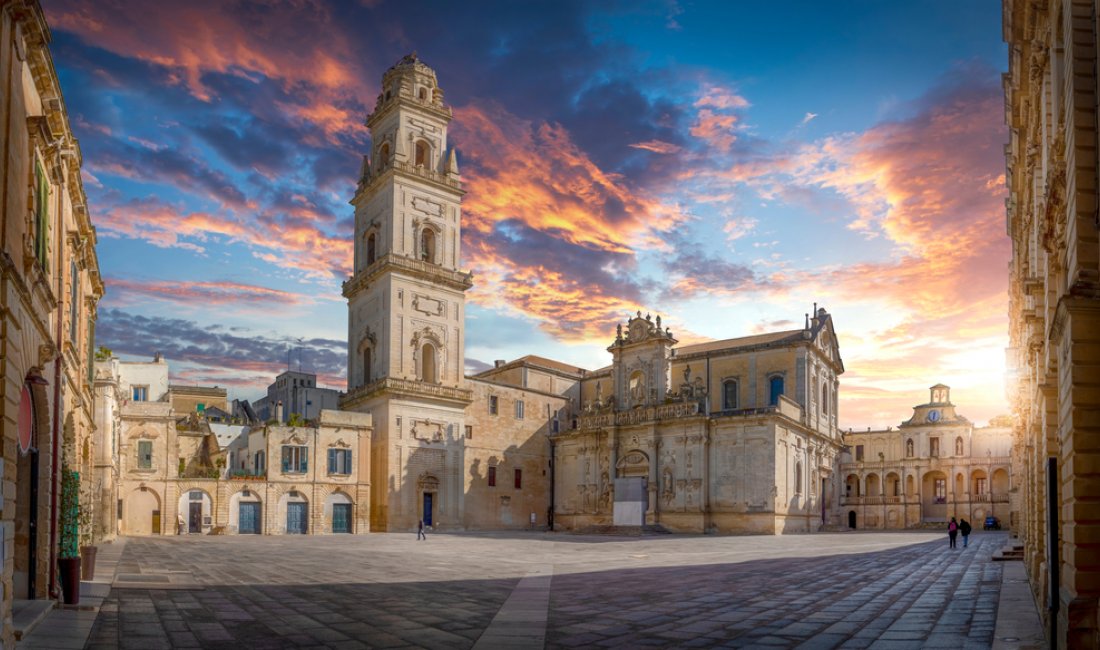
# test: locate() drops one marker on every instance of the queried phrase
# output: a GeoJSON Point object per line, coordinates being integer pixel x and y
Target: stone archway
{"type": "Point", "coordinates": [429, 499]}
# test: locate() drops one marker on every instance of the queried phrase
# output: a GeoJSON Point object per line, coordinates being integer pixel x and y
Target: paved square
{"type": "Point", "coordinates": [850, 590]}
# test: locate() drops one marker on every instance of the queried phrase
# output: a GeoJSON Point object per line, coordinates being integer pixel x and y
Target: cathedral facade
{"type": "Point", "coordinates": [735, 435]}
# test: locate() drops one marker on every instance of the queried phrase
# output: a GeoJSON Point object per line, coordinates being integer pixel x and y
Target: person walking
{"type": "Point", "coordinates": [952, 532]}
{"type": "Point", "coordinates": [964, 530]}
{"type": "Point", "coordinates": [420, 531]}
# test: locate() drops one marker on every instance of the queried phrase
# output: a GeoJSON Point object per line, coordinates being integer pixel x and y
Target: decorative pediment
{"type": "Point", "coordinates": [341, 444]}
{"type": "Point", "coordinates": [427, 482]}
{"type": "Point", "coordinates": [633, 458]}
{"type": "Point", "coordinates": [295, 439]}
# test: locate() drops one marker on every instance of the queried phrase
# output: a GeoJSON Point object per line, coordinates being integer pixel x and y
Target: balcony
{"type": "Point", "coordinates": [408, 388]}
{"type": "Point", "coordinates": [640, 415]}
{"type": "Point", "coordinates": [458, 280]}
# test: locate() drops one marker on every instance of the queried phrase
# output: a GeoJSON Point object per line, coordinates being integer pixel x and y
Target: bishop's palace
{"type": "Point", "coordinates": [738, 435]}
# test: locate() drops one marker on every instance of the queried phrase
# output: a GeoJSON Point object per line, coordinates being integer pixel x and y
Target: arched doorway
{"type": "Point", "coordinates": [295, 510]}
{"type": "Point", "coordinates": [934, 496]}
{"type": "Point", "coordinates": [631, 489]}
{"type": "Point", "coordinates": [141, 513]}
{"type": "Point", "coordinates": [195, 510]}
{"type": "Point", "coordinates": [428, 488]}
{"type": "Point", "coordinates": [338, 513]}
{"type": "Point", "coordinates": [851, 519]}
{"type": "Point", "coordinates": [29, 565]}
{"type": "Point", "coordinates": [246, 513]}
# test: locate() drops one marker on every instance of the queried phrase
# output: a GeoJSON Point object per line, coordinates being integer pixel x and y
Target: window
{"type": "Point", "coordinates": [427, 361]}
{"type": "Point", "coordinates": [145, 454]}
{"type": "Point", "coordinates": [979, 485]}
{"type": "Point", "coordinates": [859, 452]}
{"type": "Point", "coordinates": [493, 405]}
{"type": "Point", "coordinates": [934, 447]}
{"type": "Point", "coordinates": [421, 153]}
{"type": "Point", "coordinates": [554, 425]}
{"type": "Point", "coordinates": [295, 459]}
{"type": "Point", "coordinates": [519, 409]}
{"type": "Point", "coordinates": [469, 431]}
{"type": "Point", "coordinates": [140, 393]}
{"type": "Point", "coordinates": [259, 462]}
{"type": "Point", "coordinates": [41, 216]}
{"type": "Point", "coordinates": [492, 477]}
{"type": "Point", "coordinates": [775, 389]}
{"type": "Point", "coordinates": [941, 490]}
{"type": "Point", "coordinates": [519, 479]}
{"type": "Point", "coordinates": [370, 249]}
{"type": "Point", "coordinates": [339, 461]}
{"type": "Point", "coordinates": [427, 245]}
{"type": "Point", "coordinates": [384, 155]}
{"type": "Point", "coordinates": [422, 94]}
{"type": "Point", "coordinates": [194, 495]}
{"type": "Point", "coordinates": [729, 394]}
{"type": "Point", "coordinates": [200, 407]}
{"type": "Point", "coordinates": [798, 478]}
{"type": "Point", "coordinates": [74, 282]}
{"type": "Point", "coordinates": [825, 399]}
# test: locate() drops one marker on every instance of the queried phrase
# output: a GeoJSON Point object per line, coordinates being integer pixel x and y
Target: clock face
{"type": "Point", "coordinates": [933, 416]}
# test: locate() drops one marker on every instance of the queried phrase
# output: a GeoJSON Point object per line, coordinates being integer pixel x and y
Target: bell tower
{"type": "Point", "coordinates": [407, 302]}
{"type": "Point", "coordinates": [406, 299]}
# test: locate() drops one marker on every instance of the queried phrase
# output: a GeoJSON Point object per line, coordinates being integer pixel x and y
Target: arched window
{"type": "Point", "coordinates": [909, 448]}
{"type": "Point", "coordinates": [422, 94]}
{"type": "Point", "coordinates": [367, 365]}
{"type": "Point", "coordinates": [384, 155]}
{"type": "Point", "coordinates": [427, 245]}
{"type": "Point", "coordinates": [775, 389]}
{"type": "Point", "coordinates": [729, 394]}
{"type": "Point", "coordinates": [370, 249]}
{"type": "Point", "coordinates": [427, 364]}
{"type": "Point", "coordinates": [798, 478]}
{"type": "Point", "coordinates": [825, 398]}
{"type": "Point", "coordinates": [421, 153]}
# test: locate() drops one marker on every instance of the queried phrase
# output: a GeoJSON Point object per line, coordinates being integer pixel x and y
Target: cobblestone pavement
{"type": "Point", "coordinates": [850, 590]}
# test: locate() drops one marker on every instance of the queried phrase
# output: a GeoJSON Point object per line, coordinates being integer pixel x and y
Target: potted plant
{"type": "Point", "coordinates": [68, 557]}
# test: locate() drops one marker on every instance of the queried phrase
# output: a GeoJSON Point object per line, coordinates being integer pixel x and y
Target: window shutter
{"type": "Point", "coordinates": [305, 459]}
{"type": "Point", "coordinates": [347, 462]}
{"type": "Point", "coordinates": [331, 461]}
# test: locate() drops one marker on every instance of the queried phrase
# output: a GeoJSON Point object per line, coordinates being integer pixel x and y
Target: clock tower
{"type": "Point", "coordinates": [406, 304]}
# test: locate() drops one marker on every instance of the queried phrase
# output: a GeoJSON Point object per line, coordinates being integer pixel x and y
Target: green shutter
{"type": "Point", "coordinates": [42, 216]}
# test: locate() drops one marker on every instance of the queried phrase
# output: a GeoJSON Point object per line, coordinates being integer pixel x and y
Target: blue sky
{"type": "Point", "coordinates": [725, 165]}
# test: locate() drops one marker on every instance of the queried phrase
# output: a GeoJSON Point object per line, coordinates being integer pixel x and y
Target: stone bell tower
{"type": "Point", "coordinates": [406, 302]}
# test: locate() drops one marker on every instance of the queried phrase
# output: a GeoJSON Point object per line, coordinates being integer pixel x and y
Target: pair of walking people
{"type": "Point", "coordinates": [955, 528]}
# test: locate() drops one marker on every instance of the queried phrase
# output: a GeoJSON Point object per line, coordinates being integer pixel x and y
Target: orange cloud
{"type": "Point", "coordinates": [191, 293]}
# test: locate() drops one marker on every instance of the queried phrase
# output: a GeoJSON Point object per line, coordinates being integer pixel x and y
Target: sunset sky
{"type": "Point", "coordinates": [724, 165]}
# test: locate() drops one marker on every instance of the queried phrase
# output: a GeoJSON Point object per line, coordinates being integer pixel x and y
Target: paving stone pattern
{"type": "Point", "coordinates": [850, 590]}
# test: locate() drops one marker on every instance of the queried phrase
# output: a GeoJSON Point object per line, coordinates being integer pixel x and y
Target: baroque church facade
{"type": "Point", "coordinates": [734, 435]}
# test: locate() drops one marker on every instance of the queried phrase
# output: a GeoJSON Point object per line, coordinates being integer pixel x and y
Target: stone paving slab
{"type": "Point", "coordinates": [850, 590]}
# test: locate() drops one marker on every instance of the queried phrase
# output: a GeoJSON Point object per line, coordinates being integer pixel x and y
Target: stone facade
{"type": "Point", "coordinates": [934, 466]}
{"type": "Point", "coordinates": [177, 473]}
{"type": "Point", "coordinates": [49, 289]}
{"type": "Point", "coordinates": [1054, 303]}
{"type": "Point", "coordinates": [737, 435]}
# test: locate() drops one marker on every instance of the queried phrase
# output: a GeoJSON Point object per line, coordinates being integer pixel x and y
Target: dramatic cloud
{"type": "Point", "coordinates": [128, 291]}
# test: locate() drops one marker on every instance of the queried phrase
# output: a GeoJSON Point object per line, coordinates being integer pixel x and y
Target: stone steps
{"type": "Point", "coordinates": [1014, 550]}
{"type": "Point", "coordinates": [27, 614]}
{"type": "Point", "coordinates": [625, 531]}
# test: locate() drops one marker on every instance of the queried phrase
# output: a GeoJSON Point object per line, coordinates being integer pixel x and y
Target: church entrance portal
{"type": "Point", "coordinates": [428, 508]}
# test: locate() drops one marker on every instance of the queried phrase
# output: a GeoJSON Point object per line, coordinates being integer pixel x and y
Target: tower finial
{"type": "Point", "coordinates": [452, 163]}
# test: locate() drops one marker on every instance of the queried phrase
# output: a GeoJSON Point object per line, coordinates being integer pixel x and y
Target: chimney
{"type": "Point", "coordinates": [279, 411]}
{"type": "Point", "coordinates": [498, 363]}
{"type": "Point", "coordinates": [815, 320]}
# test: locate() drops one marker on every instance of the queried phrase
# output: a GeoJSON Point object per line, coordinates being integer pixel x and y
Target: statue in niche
{"type": "Point", "coordinates": [687, 374]}
{"type": "Point", "coordinates": [669, 491]}
{"type": "Point", "coordinates": [599, 394]}
{"type": "Point", "coordinates": [605, 492]}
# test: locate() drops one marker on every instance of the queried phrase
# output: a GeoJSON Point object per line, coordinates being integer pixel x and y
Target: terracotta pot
{"type": "Point", "coordinates": [69, 573]}
{"type": "Point", "coordinates": [87, 562]}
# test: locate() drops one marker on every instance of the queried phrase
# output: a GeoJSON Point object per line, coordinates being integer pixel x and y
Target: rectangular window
{"type": "Point", "coordinates": [141, 393]}
{"type": "Point", "coordinates": [941, 490]}
{"type": "Point", "coordinates": [295, 459]}
{"type": "Point", "coordinates": [859, 452]}
{"type": "Point", "coordinates": [979, 486]}
{"type": "Point", "coordinates": [469, 431]}
{"type": "Point", "coordinates": [519, 479]}
{"type": "Point", "coordinates": [492, 405]}
{"type": "Point", "coordinates": [519, 409]}
{"type": "Point", "coordinates": [195, 495]}
{"type": "Point", "coordinates": [554, 426]}
{"type": "Point", "coordinates": [339, 461]}
{"type": "Point", "coordinates": [934, 447]}
{"type": "Point", "coordinates": [74, 280]}
{"type": "Point", "coordinates": [492, 477]}
{"type": "Point", "coordinates": [145, 454]}
{"type": "Point", "coordinates": [41, 216]}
